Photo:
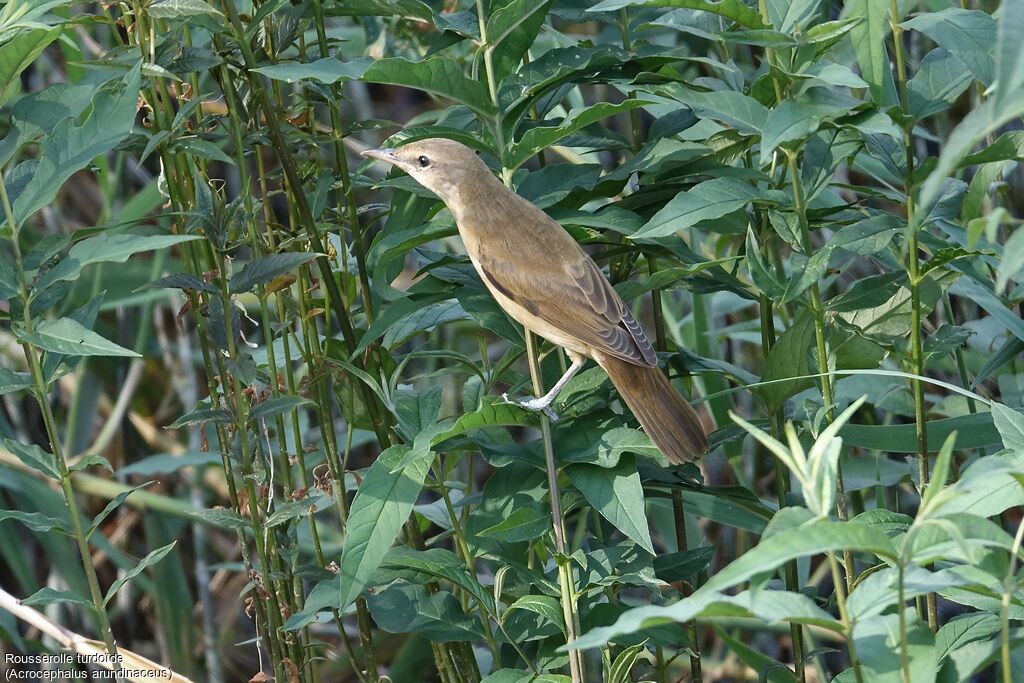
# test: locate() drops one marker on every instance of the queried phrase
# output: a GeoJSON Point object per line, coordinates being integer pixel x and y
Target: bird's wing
{"type": "Point", "coordinates": [573, 295]}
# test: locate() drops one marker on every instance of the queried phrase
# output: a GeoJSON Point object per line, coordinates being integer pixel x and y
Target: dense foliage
{"type": "Point", "coordinates": [252, 422]}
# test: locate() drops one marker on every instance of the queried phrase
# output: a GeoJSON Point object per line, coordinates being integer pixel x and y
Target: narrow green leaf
{"type": "Point", "coordinates": [544, 605]}
{"type": "Point", "coordinates": [707, 200]}
{"type": "Point", "coordinates": [869, 42]}
{"type": "Point", "coordinates": [327, 70]}
{"type": "Point", "coordinates": [173, 9]}
{"type": "Point", "coordinates": [69, 337]}
{"type": "Point", "coordinates": [36, 521]}
{"type": "Point", "coordinates": [146, 562]}
{"type": "Point", "coordinates": [11, 381]}
{"type": "Point", "coordinates": [277, 406]}
{"type": "Point", "coordinates": [737, 10]}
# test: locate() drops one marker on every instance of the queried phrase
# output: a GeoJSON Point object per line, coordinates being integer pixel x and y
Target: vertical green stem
{"type": "Point", "coordinates": [40, 390]}
{"type": "Point", "coordinates": [914, 272]}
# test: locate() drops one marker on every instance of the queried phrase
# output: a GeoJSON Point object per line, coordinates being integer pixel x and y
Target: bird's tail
{"type": "Point", "coordinates": [668, 419]}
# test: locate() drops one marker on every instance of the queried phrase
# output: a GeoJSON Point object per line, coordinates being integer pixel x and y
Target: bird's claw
{"type": "Point", "coordinates": [534, 406]}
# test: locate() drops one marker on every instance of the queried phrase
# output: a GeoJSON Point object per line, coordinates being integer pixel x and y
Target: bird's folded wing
{"type": "Point", "coordinates": [575, 297]}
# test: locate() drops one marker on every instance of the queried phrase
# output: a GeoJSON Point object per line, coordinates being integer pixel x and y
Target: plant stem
{"type": "Point", "coordinates": [914, 272]}
{"type": "Point", "coordinates": [40, 389]}
{"type": "Point", "coordinates": [844, 616]}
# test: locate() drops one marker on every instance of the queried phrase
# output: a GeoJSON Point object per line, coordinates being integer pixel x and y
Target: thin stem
{"type": "Point", "coordinates": [914, 271]}
{"type": "Point", "coordinates": [844, 616]}
{"type": "Point", "coordinates": [41, 391]}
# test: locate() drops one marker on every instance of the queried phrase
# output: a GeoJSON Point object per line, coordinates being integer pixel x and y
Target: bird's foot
{"type": "Point", "coordinates": [534, 405]}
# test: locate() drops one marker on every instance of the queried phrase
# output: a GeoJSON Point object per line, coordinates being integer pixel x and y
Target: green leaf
{"type": "Point", "coordinates": [172, 9]}
{"type": "Point", "coordinates": [18, 52]}
{"type": "Point", "coordinates": [168, 463]}
{"type": "Point", "coordinates": [1012, 262]}
{"type": "Point", "coordinates": [70, 147]}
{"type": "Point", "coordinates": [106, 248]}
{"type": "Point", "coordinates": [222, 518]}
{"type": "Point", "coordinates": [882, 663]}
{"type": "Point", "coordinates": [617, 494]}
{"type": "Point", "coordinates": [146, 562]}
{"type": "Point", "coordinates": [438, 76]}
{"type": "Point", "coordinates": [768, 669]}
{"type": "Point", "coordinates": [973, 431]}
{"type": "Point", "coordinates": [744, 113]}
{"type": "Point", "coordinates": [425, 317]}
{"type": "Point", "coordinates": [35, 457]}
{"type": "Point", "coordinates": [327, 70]}
{"type": "Point", "coordinates": [69, 337]}
{"type": "Point", "coordinates": [682, 565]}
{"type": "Point", "coordinates": [869, 42]}
{"type": "Point", "coordinates": [380, 508]}
{"type": "Point", "coordinates": [1009, 53]}
{"type": "Point", "coordinates": [49, 596]}
{"type": "Point", "coordinates": [546, 606]}
{"type": "Point", "coordinates": [442, 564]}
{"type": "Point", "coordinates": [11, 381]}
{"type": "Point", "coordinates": [707, 200]}
{"type": "Point", "coordinates": [525, 523]}
{"type": "Point", "coordinates": [969, 35]}
{"type": "Point", "coordinates": [403, 9]}
{"type": "Point", "coordinates": [36, 521]}
{"type": "Point", "coordinates": [1010, 424]}
{"type": "Point", "coordinates": [114, 503]}
{"type": "Point", "coordinates": [511, 29]}
{"type": "Point", "coordinates": [812, 538]}
{"type": "Point", "coordinates": [200, 415]}
{"type": "Point", "coordinates": [183, 281]}
{"type": "Point", "coordinates": [788, 358]}
{"type": "Point", "coordinates": [277, 406]}
{"type": "Point", "coordinates": [940, 79]}
{"type": "Point", "coordinates": [786, 15]}
{"type": "Point", "coordinates": [263, 270]}
{"type": "Point", "coordinates": [788, 122]}
{"type": "Point", "coordinates": [536, 139]}
{"type": "Point", "coordinates": [406, 608]}
{"type": "Point", "coordinates": [869, 292]}
{"type": "Point", "coordinates": [737, 10]}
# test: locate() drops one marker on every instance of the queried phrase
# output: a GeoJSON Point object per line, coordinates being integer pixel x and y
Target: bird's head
{"type": "Point", "coordinates": [439, 164]}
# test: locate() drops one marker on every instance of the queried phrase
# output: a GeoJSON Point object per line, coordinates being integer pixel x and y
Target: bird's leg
{"type": "Point", "coordinates": [543, 404]}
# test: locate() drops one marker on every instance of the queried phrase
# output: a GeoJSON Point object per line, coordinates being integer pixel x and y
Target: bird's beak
{"type": "Point", "coordinates": [384, 154]}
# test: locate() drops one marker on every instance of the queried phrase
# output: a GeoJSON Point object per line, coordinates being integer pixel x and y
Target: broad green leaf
{"type": "Point", "coordinates": [788, 122]}
{"type": "Point", "coordinates": [146, 562]}
{"type": "Point", "coordinates": [539, 138]}
{"type": "Point", "coordinates": [381, 506]}
{"type": "Point", "coordinates": [70, 147]}
{"type": "Point", "coordinates": [511, 29]}
{"type": "Point", "coordinates": [707, 200]}
{"type": "Point", "coordinates": [744, 113]}
{"type": "Point", "coordinates": [438, 76]}
{"type": "Point", "coordinates": [524, 523]}
{"type": "Point", "coordinates": [969, 35]}
{"type": "Point", "coordinates": [882, 662]}
{"type": "Point", "coordinates": [424, 318]}
{"type": "Point", "coordinates": [684, 564]}
{"type": "Point", "coordinates": [1010, 424]}
{"type": "Point", "coordinates": [788, 358]}
{"type": "Point", "coordinates": [439, 617]}
{"type": "Point", "coordinates": [617, 494]}
{"type": "Point", "coordinates": [69, 337]}
{"type": "Point", "coordinates": [442, 564]}
{"type": "Point", "coordinates": [1012, 262]}
{"type": "Point", "coordinates": [869, 42]}
{"type": "Point", "coordinates": [172, 9]}
{"type": "Point", "coordinates": [265, 269]}
{"type": "Point", "coordinates": [786, 15]}
{"type": "Point", "coordinates": [544, 605]}
{"type": "Point", "coordinates": [106, 248]}
{"type": "Point", "coordinates": [938, 81]}
{"type": "Point", "coordinates": [327, 70]}
{"type": "Point", "coordinates": [813, 538]}
{"type": "Point", "coordinates": [737, 10]}
{"type": "Point", "coordinates": [766, 605]}
{"type": "Point", "coordinates": [403, 9]}
{"type": "Point", "coordinates": [11, 381]}
{"type": "Point", "coordinates": [18, 52]}
{"type": "Point", "coordinates": [1009, 53]}
{"type": "Point", "coordinates": [963, 629]}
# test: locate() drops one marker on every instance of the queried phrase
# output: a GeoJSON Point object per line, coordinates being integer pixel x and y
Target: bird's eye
{"type": "Point", "coordinates": [423, 162]}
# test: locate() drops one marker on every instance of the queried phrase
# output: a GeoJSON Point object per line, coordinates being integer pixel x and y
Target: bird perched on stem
{"type": "Point", "coordinates": [544, 280]}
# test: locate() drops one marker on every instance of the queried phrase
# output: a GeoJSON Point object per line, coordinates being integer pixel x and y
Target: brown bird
{"type": "Point", "coordinates": [544, 280]}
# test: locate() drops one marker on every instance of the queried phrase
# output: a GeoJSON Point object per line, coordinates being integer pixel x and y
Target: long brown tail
{"type": "Point", "coordinates": [666, 417]}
